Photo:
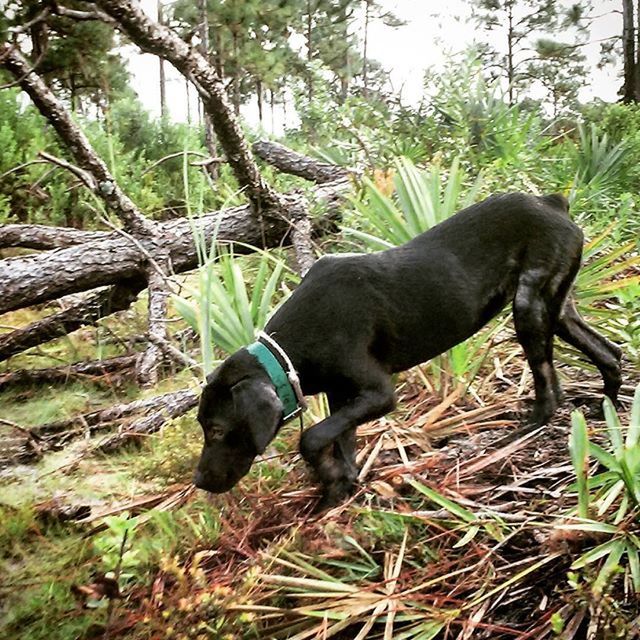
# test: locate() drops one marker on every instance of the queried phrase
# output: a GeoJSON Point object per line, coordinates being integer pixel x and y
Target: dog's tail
{"type": "Point", "coordinates": [557, 201]}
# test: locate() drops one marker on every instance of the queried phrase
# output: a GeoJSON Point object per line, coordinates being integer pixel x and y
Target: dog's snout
{"type": "Point", "coordinates": [198, 479]}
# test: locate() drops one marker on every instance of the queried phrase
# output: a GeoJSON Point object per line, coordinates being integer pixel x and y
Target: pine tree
{"type": "Point", "coordinates": [630, 90]}
{"type": "Point", "coordinates": [532, 52]}
{"type": "Point", "coordinates": [76, 58]}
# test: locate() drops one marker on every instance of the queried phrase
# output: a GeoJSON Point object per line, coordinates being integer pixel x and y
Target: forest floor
{"type": "Point", "coordinates": [456, 530]}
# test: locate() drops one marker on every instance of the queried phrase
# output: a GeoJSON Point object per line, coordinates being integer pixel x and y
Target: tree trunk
{"type": "Point", "coordinates": [235, 79]}
{"type": "Point", "coordinates": [628, 52]}
{"type": "Point", "coordinates": [296, 164]}
{"type": "Point", "coordinates": [259, 98]}
{"type": "Point", "coordinates": [79, 314]}
{"type": "Point", "coordinates": [96, 176]}
{"type": "Point", "coordinates": [111, 258]}
{"type": "Point", "coordinates": [162, 41]}
{"type": "Point", "coordinates": [40, 236]}
{"type": "Point", "coordinates": [510, 64]}
{"type": "Point", "coordinates": [163, 81]}
{"type": "Point", "coordinates": [64, 373]}
{"type": "Point", "coordinates": [365, 87]}
{"type": "Point", "coordinates": [36, 278]}
{"type": "Point", "coordinates": [209, 135]}
{"type": "Point", "coordinates": [309, 36]}
{"type": "Point", "coordinates": [637, 62]}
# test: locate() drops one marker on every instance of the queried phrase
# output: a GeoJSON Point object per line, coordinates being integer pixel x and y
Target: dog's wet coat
{"type": "Point", "coordinates": [355, 320]}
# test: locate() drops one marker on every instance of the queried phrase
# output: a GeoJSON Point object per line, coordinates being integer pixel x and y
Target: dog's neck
{"type": "Point", "coordinates": [282, 373]}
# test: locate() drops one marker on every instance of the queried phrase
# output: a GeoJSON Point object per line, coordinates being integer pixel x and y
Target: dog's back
{"type": "Point", "coordinates": [411, 303]}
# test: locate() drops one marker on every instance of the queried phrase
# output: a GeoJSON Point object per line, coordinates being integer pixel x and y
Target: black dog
{"type": "Point", "coordinates": [357, 319]}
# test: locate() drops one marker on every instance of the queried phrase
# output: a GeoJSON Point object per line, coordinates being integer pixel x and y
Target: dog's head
{"type": "Point", "coordinates": [240, 413]}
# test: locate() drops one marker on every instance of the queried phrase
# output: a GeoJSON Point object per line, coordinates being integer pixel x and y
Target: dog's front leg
{"type": "Point", "coordinates": [329, 446]}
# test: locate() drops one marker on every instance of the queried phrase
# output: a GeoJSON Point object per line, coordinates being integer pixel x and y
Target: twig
{"type": "Point", "coordinates": [207, 162]}
{"type": "Point", "coordinates": [174, 352]}
{"type": "Point", "coordinates": [168, 282]}
{"type": "Point", "coordinates": [88, 180]}
{"type": "Point", "coordinates": [94, 14]}
{"type": "Point", "coordinates": [24, 165]}
{"type": "Point", "coordinates": [177, 154]}
{"type": "Point", "coordinates": [23, 28]}
{"type": "Point", "coordinates": [17, 427]}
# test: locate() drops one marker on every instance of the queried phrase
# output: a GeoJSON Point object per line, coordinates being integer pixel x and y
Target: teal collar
{"type": "Point", "coordinates": [286, 382]}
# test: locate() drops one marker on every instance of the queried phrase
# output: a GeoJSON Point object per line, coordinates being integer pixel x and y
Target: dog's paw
{"type": "Point", "coordinates": [335, 493]}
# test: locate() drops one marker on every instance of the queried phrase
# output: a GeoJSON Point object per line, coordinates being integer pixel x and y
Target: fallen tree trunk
{"type": "Point", "coordinates": [236, 225]}
{"type": "Point", "coordinates": [43, 237]}
{"type": "Point", "coordinates": [297, 164]}
{"type": "Point", "coordinates": [32, 279]}
{"type": "Point", "coordinates": [177, 405]}
{"type": "Point", "coordinates": [53, 436]}
{"type": "Point", "coordinates": [79, 314]}
{"type": "Point", "coordinates": [64, 373]}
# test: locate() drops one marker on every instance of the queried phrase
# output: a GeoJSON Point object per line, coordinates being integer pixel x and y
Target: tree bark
{"type": "Point", "coordinates": [301, 233]}
{"type": "Point", "coordinates": [162, 78]}
{"type": "Point", "coordinates": [629, 52]}
{"type": "Point", "coordinates": [43, 237]}
{"type": "Point", "coordinates": [177, 405]}
{"type": "Point", "coordinates": [32, 279]}
{"type": "Point", "coordinates": [104, 417]}
{"type": "Point", "coordinates": [88, 311]}
{"type": "Point", "coordinates": [55, 435]}
{"type": "Point", "coordinates": [294, 163]}
{"type": "Point", "coordinates": [64, 373]}
{"type": "Point", "coordinates": [95, 175]}
{"type": "Point", "coordinates": [162, 41]}
{"type": "Point", "coordinates": [113, 257]}
{"type": "Point", "coordinates": [157, 324]}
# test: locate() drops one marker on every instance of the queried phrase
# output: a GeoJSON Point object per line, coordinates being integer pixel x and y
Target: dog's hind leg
{"type": "Point", "coordinates": [572, 328]}
{"type": "Point", "coordinates": [533, 314]}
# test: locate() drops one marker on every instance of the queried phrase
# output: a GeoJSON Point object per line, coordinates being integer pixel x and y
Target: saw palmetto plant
{"type": "Point", "coordinates": [609, 496]}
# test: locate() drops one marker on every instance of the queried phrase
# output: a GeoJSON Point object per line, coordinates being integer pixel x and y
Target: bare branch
{"type": "Point", "coordinates": [174, 353]}
{"type": "Point", "coordinates": [62, 374]}
{"type": "Point", "coordinates": [297, 164]}
{"type": "Point", "coordinates": [162, 41]}
{"type": "Point", "coordinates": [79, 314]}
{"type": "Point", "coordinates": [179, 404]}
{"type": "Point", "coordinates": [177, 154]}
{"type": "Point", "coordinates": [94, 14]}
{"type": "Point", "coordinates": [297, 206]}
{"type": "Point", "coordinates": [44, 237]}
{"type": "Point", "coordinates": [60, 118]}
{"type": "Point", "coordinates": [84, 176]}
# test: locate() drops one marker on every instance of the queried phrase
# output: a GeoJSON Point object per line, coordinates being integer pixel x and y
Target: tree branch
{"type": "Point", "coordinates": [162, 41]}
{"type": "Point", "coordinates": [88, 311]}
{"type": "Point", "coordinates": [74, 138]}
{"type": "Point", "coordinates": [64, 373]}
{"type": "Point", "coordinates": [43, 237]}
{"type": "Point", "coordinates": [297, 164]}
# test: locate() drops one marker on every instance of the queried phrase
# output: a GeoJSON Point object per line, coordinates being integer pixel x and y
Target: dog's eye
{"type": "Point", "coordinates": [215, 432]}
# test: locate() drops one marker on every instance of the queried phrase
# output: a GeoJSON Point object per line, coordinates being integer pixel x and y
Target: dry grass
{"type": "Point", "coordinates": [485, 558]}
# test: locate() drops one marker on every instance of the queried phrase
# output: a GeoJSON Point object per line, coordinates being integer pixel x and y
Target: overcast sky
{"type": "Point", "coordinates": [433, 30]}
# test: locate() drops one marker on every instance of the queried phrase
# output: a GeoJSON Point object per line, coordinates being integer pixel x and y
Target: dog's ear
{"type": "Point", "coordinates": [257, 403]}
